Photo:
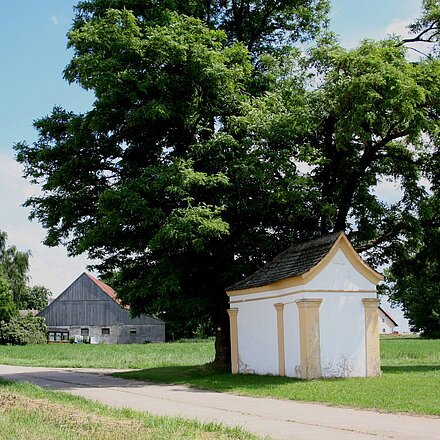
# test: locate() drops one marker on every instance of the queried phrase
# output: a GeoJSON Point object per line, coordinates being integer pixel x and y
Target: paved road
{"type": "Point", "coordinates": [279, 419]}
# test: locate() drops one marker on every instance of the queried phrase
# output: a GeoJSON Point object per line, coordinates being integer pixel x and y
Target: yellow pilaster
{"type": "Point", "coordinates": [280, 331]}
{"type": "Point", "coordinates": [310, 345]}
{"type": "Point", "coordinates": [372, 347]}
{"type": "Point", "coordinates": [234, 339]}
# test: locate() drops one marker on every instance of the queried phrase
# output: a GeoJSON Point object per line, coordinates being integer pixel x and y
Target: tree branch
{"type": "Point", "coordinates": [384, 237]}
{"type": "Point", "coordinates": [418, 38]}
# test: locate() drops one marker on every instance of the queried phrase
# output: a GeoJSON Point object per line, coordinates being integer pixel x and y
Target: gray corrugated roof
{"type": "Point", "coordinates": [294, 261]}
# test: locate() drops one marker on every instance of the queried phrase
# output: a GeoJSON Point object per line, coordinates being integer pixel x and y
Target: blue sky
{"type": "Point", "coordinates": [33, 55]}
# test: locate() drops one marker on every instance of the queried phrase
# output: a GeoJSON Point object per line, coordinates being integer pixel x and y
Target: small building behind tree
{"type": "Point", "coordinates": [310, 312]}
{"type": "Point", "coordinates": [387, 324]}
{"type": "Point", "coordinates": [89, 308]}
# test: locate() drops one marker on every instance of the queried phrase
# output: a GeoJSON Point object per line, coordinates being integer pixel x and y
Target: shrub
{"type": "Point", "coordinates": [23, 330]}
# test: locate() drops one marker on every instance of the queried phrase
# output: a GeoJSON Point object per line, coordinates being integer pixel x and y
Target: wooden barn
{"type": "Point", "coordinates": [310, 312]}
{"type": "Point", "coordinates": [90, 308]}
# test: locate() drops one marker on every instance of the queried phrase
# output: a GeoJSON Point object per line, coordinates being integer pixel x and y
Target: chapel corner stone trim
{"type": "Point", "coordinates": [233, 322]}
{"type": "Point", "coordinates": [372, 342]}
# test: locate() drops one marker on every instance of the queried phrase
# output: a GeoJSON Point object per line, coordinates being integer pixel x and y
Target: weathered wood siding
{"type": "Point", "coordinates": [83, 303]}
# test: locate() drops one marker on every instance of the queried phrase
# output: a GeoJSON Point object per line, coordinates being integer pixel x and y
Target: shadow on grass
{"type": "Point", "coordinates": [209, 377]}
{"type": "Point", "coordinates": [410, 368]}
{"type": "Point", "coordinates": [206, 377]}
{"type": "Point", "coordinates": [400, 338]}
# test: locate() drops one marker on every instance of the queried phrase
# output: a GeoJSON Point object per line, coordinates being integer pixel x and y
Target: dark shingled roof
{"type": "Point", "coordinates": [294, 261]}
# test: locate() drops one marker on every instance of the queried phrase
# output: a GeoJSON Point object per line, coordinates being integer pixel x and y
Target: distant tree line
{"type": "Point", "coordinates": [15, 295]}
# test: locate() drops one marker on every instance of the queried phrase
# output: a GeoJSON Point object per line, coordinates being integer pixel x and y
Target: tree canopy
{"type": "Point", "coordinates": [415, 272]}
{"type": "Point", "coordinates": [150, 181]}
{"type": "Point", "coordinates": [261, 25]}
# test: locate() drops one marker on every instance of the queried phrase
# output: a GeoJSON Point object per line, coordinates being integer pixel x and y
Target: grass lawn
{"type": "Point", "coordinates": [410, 381]}
{"type": "Point", "coordinates": [28, 412]}
{"type": "Point", "coordinates": [109, 356]}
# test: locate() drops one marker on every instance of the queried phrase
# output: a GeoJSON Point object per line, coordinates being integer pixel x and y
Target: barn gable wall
{"type": "Point", "coordinates": [83, 303]}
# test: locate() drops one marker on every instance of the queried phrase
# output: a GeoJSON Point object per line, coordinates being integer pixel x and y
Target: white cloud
{"type": "Point", "coordinates": [54, 19]}
{"type": "Point", "coordinates": [50, 267]}
{"type": "Point", "coordinates": [399, 27]}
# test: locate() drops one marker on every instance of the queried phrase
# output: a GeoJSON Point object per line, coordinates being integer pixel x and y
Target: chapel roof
{"type": "Point", "coordinates": [294, 261]}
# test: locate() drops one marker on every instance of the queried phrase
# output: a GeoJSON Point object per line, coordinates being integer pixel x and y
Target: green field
{"type": "Point", "coordinates": [109, 356]}
{"type": "Point", "coordinates": [410, 381]}
{"type": "Point", "coordinates": [28, 412]}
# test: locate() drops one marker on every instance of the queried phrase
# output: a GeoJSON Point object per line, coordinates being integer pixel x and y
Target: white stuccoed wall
{"type": "Point", "coordinates": [340, 275]}
{"type": "Point", "coordinates": [342, 332]}
{"type": "Point", "coordinates": [342, 317]}
{"type": "Point", "coordinates": [342, 323]}
{"type": "Point", "coordinates": [291, 337]}
{"type": "Point", "coordinates": [257, 338]}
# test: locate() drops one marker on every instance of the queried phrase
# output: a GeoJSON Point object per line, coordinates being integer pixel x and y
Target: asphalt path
{"type": "Point", "coordinates": [279, 419]}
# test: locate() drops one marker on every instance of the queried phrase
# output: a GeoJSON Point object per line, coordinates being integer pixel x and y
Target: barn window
{"type": "Point", "coordinates": [84, 332]}
{"type": "Point", "coordinates": [133, 331]}
{"type": "Point", "coordinates": [59, 336]}
{"type": "Point", "coordinates": [105, 331]}
{"type": "Point", "coordinates": [383, 319]}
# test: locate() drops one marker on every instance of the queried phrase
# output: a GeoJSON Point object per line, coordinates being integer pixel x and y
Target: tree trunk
{"type": "Point", "coordinates": [222, 335]}
{"type": "Point", "coordinates": [352, 184]}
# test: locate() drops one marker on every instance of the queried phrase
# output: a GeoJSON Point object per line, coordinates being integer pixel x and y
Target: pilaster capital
{"type": "Point", "coordinates": [232, 312]}
{"type": "Point", "coordinates": [371, 303]}
{"type": "Point", "coordinates": [309, 303]}
{"type": "Point", "coordinates": [279, 307]}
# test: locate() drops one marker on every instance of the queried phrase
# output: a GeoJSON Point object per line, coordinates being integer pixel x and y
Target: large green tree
{"type": "Point", "coordinates": [35, 298]}
{"type": "Point", "coordinates": [150, 181]}
{"type": "Point", "coordinates": [414, 275]}
{"type": "Point", "coordinates": [370, 116]}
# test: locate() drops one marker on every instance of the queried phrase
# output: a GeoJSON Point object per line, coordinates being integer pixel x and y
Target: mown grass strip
{"type": "Point", "coordinates": [109, 356]}
{"type": "Point", "coordinates": [28, 412]}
